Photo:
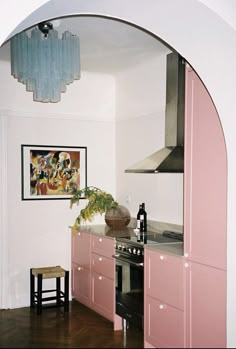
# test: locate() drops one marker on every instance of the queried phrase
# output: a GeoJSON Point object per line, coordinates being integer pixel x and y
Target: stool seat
{"type": "Point", "coordinates": [36, 296]}
{"type": "Point", "coordinates": [49, 272]}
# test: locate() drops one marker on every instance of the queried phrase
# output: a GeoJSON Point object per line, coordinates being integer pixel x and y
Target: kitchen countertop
{"type": "Point", "coordinates": [103, 230]}
{"type": "Point", "coordinates": [176, 248]}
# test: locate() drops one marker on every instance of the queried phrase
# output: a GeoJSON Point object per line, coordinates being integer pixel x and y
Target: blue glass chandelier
{"type": "Point", "coordinates": [44, 62]}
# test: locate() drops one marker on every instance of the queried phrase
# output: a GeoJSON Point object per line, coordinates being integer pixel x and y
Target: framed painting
{"type": "Point", "coordinates": [52, 172]}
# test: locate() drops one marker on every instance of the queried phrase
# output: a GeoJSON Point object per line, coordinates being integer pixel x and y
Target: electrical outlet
{"type": "Point", "coordinates": [127, 199]}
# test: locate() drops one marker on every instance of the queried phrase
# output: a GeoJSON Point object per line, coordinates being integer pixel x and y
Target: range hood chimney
{"type": "Point", "coordinates": [171, 157]}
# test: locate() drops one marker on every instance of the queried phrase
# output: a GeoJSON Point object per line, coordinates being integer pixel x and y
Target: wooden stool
{"type": "Point", "coordinates": [61, 298]}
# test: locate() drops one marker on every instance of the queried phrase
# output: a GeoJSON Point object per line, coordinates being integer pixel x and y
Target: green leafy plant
{"type": "Point", "coordinates": [99, 201]}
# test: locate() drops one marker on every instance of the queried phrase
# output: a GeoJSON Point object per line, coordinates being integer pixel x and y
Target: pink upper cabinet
{"type": "Point", "coordinates": [205, 178]}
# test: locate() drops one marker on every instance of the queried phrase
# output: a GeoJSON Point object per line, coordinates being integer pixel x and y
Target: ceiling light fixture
{"type": "Point", "coordinates": [44, 62]}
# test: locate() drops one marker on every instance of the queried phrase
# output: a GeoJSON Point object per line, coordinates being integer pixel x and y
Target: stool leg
{"type": "Point", "coordinates": [39, 303]}
{"type": "Point", "coordinates": [32, 290]}
{"type": "Point", "coordinates": [58, 290]}
{"type": "Point", "coordinates": [66, 292]}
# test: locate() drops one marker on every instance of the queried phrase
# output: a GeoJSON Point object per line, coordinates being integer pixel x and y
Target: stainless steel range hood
{"type": "Point", "coordinates": [171, 157]}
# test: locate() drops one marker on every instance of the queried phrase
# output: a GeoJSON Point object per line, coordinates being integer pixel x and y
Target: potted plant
{"type": "Point", "coordinates": [99, 202]}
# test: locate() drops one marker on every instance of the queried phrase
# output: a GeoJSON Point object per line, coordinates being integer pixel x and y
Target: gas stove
{"type": "Point", "coordinates": [132, 246]}
{"type": "Point", "coordinates": [152, 238]}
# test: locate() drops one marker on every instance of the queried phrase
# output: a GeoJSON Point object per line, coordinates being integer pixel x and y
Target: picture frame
{"type": "Point", "coordinates": [52, 172]}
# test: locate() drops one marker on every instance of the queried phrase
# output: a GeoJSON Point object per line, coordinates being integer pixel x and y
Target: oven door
{"type": "Point", "coordinates": [129, 290]}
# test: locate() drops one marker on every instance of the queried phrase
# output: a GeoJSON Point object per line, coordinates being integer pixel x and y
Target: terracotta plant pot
{"type": "Point", "coordinates": [118, 217]}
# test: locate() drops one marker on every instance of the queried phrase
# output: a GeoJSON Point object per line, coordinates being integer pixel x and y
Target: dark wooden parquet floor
{"type": "Point", "coordinates": [79, 328]}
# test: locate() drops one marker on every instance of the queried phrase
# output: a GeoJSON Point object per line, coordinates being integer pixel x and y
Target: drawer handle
{"type": "Point", "coordinates": [186, 265]}
{"type": "Point", "coordinates": [186, 255]}
{"type": "Point", "coordinates": [100, 259]}
{"type": "Point", "coordinates": [100, 240]}
{"type": "Point", "coordinates": [161, 306]}
{"type": "Point", "coordinates": [100, 278]}
{"type": "Point", "coordinates": [80, 268]}
{"type": "Point", "coordinates": [79, 233]}
{"type": "Point", "coordinates": [162, 257]}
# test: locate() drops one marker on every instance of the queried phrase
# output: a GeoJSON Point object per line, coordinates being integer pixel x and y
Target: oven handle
{"type": "Point", "coordinates": [117, 256]}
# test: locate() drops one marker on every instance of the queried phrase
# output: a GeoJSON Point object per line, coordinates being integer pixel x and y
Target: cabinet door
{"type": "Point", "coordinates": [164, 326]}
{"type": "Point", "coordinates": [81, 249]}
{"type": "Point", "coordinates": [81, 284]}
{"type": "Point", "coordinates": [164, 278]}
{"type": "Point", "coordinates": [205, 178]}
{"type": "Point", "coordinates": [205, 306]}
{"type": "Point", "coordinates": [103, 295]}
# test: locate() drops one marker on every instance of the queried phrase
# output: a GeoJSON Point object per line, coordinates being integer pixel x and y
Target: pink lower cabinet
{"type": "Point", "coordinates": [164, 300]}
{"type": "Point", "coordinates": [93, 273]}
{"type": "Point", "coordinates": [165, 324]}
{"type": "Point", "coordinates": [80, 249]}
{"type": "Point", "coordinates": [205, 306]}
{"type": "Point", "coordinates": [81, 284]}
{"type": "Point", "coordinates": [103, 276]}
{"type": "Point", "coordinates": [103, 295]}
{"type": "Point", "coordinates": [81, 289]}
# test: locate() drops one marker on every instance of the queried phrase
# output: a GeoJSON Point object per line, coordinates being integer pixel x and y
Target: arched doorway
{"type": "Point", "coordinates": [179, 38]}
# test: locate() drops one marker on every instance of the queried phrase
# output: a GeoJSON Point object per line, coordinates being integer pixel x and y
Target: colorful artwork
{"type": "Point", "coordinates": [52, 172]}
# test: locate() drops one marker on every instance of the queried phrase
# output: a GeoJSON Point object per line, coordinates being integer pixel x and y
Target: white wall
{"type": "Point", "coordinates": [37, 232]}
{"type": "Point", "coordinates": [140, 111]}
{"type": "Point", "coordinates": [9, 21]}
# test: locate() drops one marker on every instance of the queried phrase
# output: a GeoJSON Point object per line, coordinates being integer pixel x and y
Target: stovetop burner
{"type": "Point", "coordinates": [130, 249]}
{"type": "Point", "coordinates": [154, 238]}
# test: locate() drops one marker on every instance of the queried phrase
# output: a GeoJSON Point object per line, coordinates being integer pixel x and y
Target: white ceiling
{"type": "Point", "coordinates": [108, 45]}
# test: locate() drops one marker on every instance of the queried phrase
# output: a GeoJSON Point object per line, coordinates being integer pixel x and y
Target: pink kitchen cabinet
{"type": "Point", "coordinates": [164, 277]}
{"type": "Point", "coordinates": [102, 277]}
{"type": "Point", "coordinates": [205, 190]}
{"type": "Point", "coordinates": [164, 300]}
{"type": "Point", "coordinates": [165, 325]}
{"type": "Point", "coordinates": [81, 269]}
{"type": "Point", "coordinates": [205, 306]}
{"type": "Point", "coordinates": [93, 273]}
{"type": "Point", "coordinates": [205, 178]}
{"type": "Point", "coordinates": [102, 298]}
{"type": "Point", "coordinates": [81, 249]}
{"type": "Point", "coordinates": [81, 284]}
{"type": "Point", "coordinates": [102, 245]}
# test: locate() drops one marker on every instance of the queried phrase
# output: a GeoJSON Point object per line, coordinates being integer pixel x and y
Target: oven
{"type": "Point", "coordinates": [129, 256]}
{"type": "Point", "coordinates": [130, 282]}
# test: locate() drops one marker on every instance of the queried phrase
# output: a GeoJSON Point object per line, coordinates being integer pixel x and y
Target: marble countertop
{"type": "Point", "coordinates": [103, 230]}
{"type": "Point", "coordinates": [176, 248]}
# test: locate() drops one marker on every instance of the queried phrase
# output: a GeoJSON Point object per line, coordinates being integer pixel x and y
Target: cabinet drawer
{"type": "Point", "coordinates": [164, 324]}
{"type": "Point", "coordinates": [164, 278]}
{"type": "Point", "coordinates": [102, 245]}
{"type": "Point", "coordinates": [103, 265]}
{"type": "Point", "coordinates": [81, 249]}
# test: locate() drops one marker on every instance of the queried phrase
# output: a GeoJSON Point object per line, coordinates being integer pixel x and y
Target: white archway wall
{"type": "Point", "coordinates": [10, 20]}
{"type": "Point", "coordinates": [198, 34]}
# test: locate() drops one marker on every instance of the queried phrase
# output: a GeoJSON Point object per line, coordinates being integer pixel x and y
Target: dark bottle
{"type": "Point", "coordinates": [143, 218]}
{"type": "Point", "coordinates": [138, 217]}
{"type": "Point", "coordinates": [142, 222]}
